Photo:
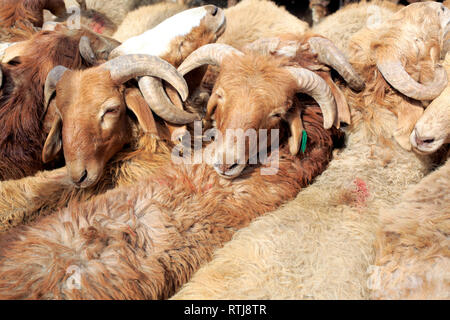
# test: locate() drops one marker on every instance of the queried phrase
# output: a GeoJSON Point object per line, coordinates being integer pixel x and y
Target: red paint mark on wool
{"type": "Point", "coordinates": [362, 192]}
{"type": "Point", "coordinates": [98, 25]}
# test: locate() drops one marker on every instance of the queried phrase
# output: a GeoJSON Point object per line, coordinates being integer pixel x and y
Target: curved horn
{"type": "Point", "coordinates": [396, 75]}
{"type": "Point", "coordinates": [212, 54]}
{"type": "Point", "coordinates": [153, 91]}
{"type": "Point", "coordinates": [330, 55]}
{"type": "Point", "coordinates": [86, 50]}
{"type": "Point", "coordinates": [50, 84]}
{"type": "Point", "coordinates": [310, 83]}
{"type": "Point", "coordinates": [127, 67]}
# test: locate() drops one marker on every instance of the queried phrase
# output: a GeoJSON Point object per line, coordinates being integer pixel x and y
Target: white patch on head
{"type": "Point", "coordinates": [156, 41]}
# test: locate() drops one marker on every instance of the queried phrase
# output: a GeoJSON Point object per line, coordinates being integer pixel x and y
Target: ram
{"type": "Point", "coordinates": [432, 131]}
{"type": "Point", "coordinates": [255, 91]}
{"type": "Point", "coordinates": [102, 90]}
{"type": "Point", "coordinates": [144, 241]}
{"type": "Point", "coordinates": [320, 245]}
{"type": "Point", "coordinates": [412, 259]}
{"type": "Point", "coordinates": [22, 94]}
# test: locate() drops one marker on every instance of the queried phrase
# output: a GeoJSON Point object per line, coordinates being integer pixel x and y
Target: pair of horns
{"type": "Point", "coordinates": [327, 53]}
{"type": "Point", "coordinates": [128, 67]}
{"type": "Point", "coordinates": [307, 81]}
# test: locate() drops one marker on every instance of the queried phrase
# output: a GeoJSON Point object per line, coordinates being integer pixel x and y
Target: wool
{"type": "Point", "coordinates": [144, 241]}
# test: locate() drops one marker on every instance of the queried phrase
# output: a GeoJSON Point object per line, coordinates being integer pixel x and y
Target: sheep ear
{"type": "Point", "coordinates": [53, 144]}
{"type": "Point", "coordinates": [137, 104]}
{"type": "Point", "coordinates": [294, 119]}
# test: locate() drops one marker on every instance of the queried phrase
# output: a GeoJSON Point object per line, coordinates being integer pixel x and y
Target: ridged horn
{"type": "Point", "coordinates": [313, 85]}
{"type": "Point", "coordinates": [211, 54]}
{"type": "Point", "coordinates": [50, 84]}
{"type": "Point", "coordinates": [396, 75]}
{"type": "Point", "coordinates": [127, 67]}
{"type": "Point", "coordinates": [153, 91]}
{"type": "Point", "coordinates": [86, 51]}
{"type": "Point", "coordinates": [330, 55]}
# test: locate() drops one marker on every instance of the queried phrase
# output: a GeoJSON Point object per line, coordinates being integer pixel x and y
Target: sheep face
{"type": "Point", "coordinates": [251, 93]}
{"type": "Point", "coordinates": [177, 36]}
{"type": "Point", "coordinates": [93, 123]}
{"type": "Point", "coordinates": [432, 130]}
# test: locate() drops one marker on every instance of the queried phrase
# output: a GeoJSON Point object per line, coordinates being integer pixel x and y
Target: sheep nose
{"type": "Point", "coordinates": [83, 177]}
{"type": "Point", "coordinates": [421, 142]}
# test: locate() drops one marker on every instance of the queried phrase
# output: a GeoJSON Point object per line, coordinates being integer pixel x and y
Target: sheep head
{"type": "Point", "coordinates": [256, 92]}
{"type": "Point", "coordinates": [432, 130]}
{"type": "Point", "coordinates": [176, 37]}
{"type": "Point", "coordinates": [408, 47]}
{"type": "Point", "coordinates": [91, 124]}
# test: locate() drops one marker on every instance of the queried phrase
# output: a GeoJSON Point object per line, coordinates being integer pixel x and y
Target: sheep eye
{"type": "Point", "coordinates": [110, 111]}
{"type": "Point", "coordinates": [276, 115]}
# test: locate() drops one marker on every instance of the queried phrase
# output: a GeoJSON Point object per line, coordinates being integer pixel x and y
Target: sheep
{"type": "Point", "coordinates": [146, 151]}
{"type": "Point", "coordinates": [144, 241]}
{"type": "Point", "coordinates": [178, 34]}
{"type": "Point", "coordinates": [412, 246]}
{"type": "Point", "coordinates": [21, 96]}
{"type": "Point", "coordinates": [401, 74]}
{"type": "Point", "coordinates": [343, 24]}
{"type": "Point", "coordinates": [145, 18]}
{"type": "Point", "coordinates": [432, 130]}
{"type": "Point", "coordinates": [320, 245]}
{"type": "Point", "coordinates": [255, 91]}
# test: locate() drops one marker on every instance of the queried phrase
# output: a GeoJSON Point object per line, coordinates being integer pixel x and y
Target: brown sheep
{"type": "Point", "coordinates": [22, 95]}
{"type": "Point", "coordinates": [255, 91]}
{"type": "Point", "coordinates": [145, 241]}
{"type": "Point", "coordinates": [144, 153]}
{"type": "Point", "coordinates": [320, 245]}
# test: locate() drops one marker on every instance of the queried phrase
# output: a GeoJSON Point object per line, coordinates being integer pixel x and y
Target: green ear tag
{"type": "Point", "coordinates": [304, 141]}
